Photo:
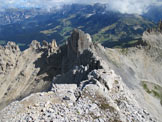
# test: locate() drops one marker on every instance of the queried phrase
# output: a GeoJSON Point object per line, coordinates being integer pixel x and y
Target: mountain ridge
{"type": "Point", "coordinates": [83, 84]}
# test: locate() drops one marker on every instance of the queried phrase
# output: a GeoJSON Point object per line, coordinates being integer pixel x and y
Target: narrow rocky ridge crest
{"type": "Point", "coordinates": [80, 85]}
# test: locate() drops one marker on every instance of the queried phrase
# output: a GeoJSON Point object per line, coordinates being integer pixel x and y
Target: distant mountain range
{"type": "Point", "coordinates": [13, 15]}
{"type": "Point", "coordinates": [112, 29]}
{"type": "Point", "coordinates": [154, 13]}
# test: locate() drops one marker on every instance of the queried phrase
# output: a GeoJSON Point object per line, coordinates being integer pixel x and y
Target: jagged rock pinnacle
{"type": "Point", "coordinates": [12, 46]}
{"type": "Point", "coordinates": [35, 44]}
{"type": "Point", "coordinates": [160, 25]}
{"type": "Point", "coordinates": [78, 42]}
{"type": "Point", "coordinates": [53, 46]}
{"type": "Point", "coordinates": [45, 44]}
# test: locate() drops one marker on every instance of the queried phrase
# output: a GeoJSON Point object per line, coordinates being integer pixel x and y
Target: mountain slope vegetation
{"type": "Point", "coordinates": [112, 29]}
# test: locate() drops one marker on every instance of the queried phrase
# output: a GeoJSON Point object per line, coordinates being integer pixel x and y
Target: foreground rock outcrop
{"type": "Point", "coordinates": [23, 73]}
{"type": "Point", "coordinates": [80, 81]}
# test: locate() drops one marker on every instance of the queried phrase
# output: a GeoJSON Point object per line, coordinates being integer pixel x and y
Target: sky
{"type": "Point", "coordinates": [124, 6]}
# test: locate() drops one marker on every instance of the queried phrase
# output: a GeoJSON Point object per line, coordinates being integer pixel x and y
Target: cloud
{"type": "Point", "coordinates": [124, 6]}
{"type": "Point", "coordinates": [130, 6]}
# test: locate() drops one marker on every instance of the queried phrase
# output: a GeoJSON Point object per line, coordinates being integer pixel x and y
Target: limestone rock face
{"type": "Point", "coordinates": [77, 50]}
{"type": "Point", "coordinates": [45, 44]}
{"type": "Point", "coordinates": [23, 73]}
{"type": "Point", "coordinates": [8, 57]}
{"type": "Point", "coordinates": [35, 44]}
{"type": "Point", "coordinates": [53, 47]}
{"type": "Point", "coordinates": [153, 39]}
{"type": "Point", "coordinates": [80, 81]}
{"type": "Point", "coordinates": [78, 42]}
{"type": "Point", "coordinates": [54, 44]}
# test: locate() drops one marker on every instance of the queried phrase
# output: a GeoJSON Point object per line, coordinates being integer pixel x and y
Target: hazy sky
{"type": "Point", "coordinates": [124, 6]}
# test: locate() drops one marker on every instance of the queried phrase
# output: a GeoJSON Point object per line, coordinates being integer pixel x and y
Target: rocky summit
{"type": "Point", "coordinates": [79, 81]}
